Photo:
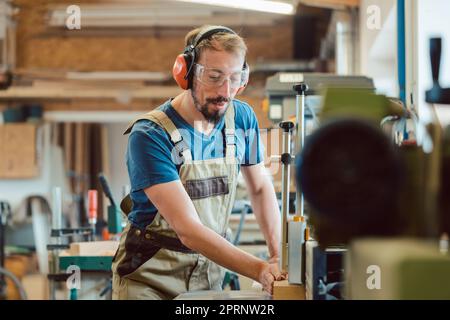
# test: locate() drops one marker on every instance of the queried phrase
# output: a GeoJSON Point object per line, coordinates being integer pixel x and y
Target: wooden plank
{"type": "Point", "coordinates": [166, 14]}
{"type": "Point", "coordinates": [18, 151]}
{"type": "Point", "coordinates": [11, 46]}
{"type": "Point", "coordinates": [150, 92]}
{"type": "Point", "coordinates": [283, 290]}
{"type": "Point", "coordinates": [105, 150]}
{"type": "Point", "coordinates": [104, 166]}
{"type": "Point", "coordinates": [96, 105]}
{"type": "Point", "coordinates": [79, 85]}
{"type": "Point", "coordinates": [68, 154]}
{"type": "Point", "coordinates": [78, 156]}
{"type": "Point", "coordinates": [85, 152]}
{"type": "Point", "coordinates": [93, 248]}
{"type": "Point", "coordinates": [119, 76]}
{"type": "Point", "coordinates": [331, 4]}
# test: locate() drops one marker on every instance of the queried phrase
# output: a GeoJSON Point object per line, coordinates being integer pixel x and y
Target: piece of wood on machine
{"type": "Point", "coordinates": [93, 248]}
{"type": "Point", "coordinates": [283, 290]}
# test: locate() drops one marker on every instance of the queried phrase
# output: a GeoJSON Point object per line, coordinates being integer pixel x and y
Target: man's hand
{"type": "Point", "coordinates": [276, 259]}
{"type": "Point", "coordinates": [269, 274]}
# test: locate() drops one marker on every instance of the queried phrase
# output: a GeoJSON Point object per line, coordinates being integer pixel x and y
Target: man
{"type": "Point", "coordinates": [183, 160]}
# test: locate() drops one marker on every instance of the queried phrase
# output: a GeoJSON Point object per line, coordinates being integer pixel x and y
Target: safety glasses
{"type": "Point", "coordinates": [216, 78]}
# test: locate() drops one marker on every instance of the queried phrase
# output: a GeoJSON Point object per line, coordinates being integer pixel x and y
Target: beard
{"type": "Point", "coordinates": [212, 116]}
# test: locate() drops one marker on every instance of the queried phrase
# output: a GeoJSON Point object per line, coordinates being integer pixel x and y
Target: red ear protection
{"type": "Point", "coordinates": [182, 68]}
{"type": "Point", "coordinates": [179, 72]}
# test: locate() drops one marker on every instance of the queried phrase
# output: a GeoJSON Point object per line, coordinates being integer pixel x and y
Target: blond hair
{"type": "Point", "coordinates": [229, 42]}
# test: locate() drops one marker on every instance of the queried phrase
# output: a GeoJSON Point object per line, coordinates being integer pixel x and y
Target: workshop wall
{"type": "Point", "coordinates": [432, 21]}
{"type": "Point", "coordinates": [153, 50]}
{"type": "Point", "coordinates": [41, 48]}
{"type": "Point", "coordinates": [378, 46]}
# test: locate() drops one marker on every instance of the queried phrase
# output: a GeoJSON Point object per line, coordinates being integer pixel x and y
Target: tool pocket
{"type": "Point", "coordinates": [205, 188]}
{"type": "Point", "coordinates": [126, 205]}
{"type": "Point", "coordinates": [138, 250]}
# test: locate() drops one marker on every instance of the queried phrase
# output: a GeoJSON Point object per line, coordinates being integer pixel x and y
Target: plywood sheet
{"type": "Point", "coordinates": [18, 151]}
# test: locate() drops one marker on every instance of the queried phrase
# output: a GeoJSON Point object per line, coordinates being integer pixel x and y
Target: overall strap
{"type": "Point", "coordinates": [230, 134]}
{"type": "Point", "coordinates": [161, 119]}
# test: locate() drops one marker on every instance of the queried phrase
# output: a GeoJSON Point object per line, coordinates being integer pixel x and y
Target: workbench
{"type": "Point", "coordinates": [93, 261]}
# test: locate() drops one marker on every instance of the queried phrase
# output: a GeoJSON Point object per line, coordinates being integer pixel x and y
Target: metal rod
{"type": "Point", "coordinates": [57, 209]}
{"type": "Point", "coordinates": [296, 258]}
{"type": "Point", "coordinates": [300, 141]}
{"type": "Point", "coordinates": [286, 162]}
{"type": "Point", "coordinates": [56, 225]}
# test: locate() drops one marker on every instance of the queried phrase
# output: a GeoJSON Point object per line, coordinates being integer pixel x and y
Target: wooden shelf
{"type": "Point", "coordinates": [124, 94]}
{"type": "Point", "coordinates": [331, 4]}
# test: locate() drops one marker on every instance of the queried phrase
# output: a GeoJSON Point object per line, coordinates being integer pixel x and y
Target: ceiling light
{"type": "Point", "coordinates": [256, 5]}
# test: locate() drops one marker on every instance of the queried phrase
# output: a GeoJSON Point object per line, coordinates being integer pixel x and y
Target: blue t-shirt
{"type": "Point", "coordinates": [150, 159]}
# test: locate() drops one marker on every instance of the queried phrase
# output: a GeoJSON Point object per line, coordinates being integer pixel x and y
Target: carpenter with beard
{"type": "Point", "coordinates": [183, 161]}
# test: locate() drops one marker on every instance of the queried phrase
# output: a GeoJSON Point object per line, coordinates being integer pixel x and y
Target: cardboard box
{"type": "Point", "coordinates": [18, 151]}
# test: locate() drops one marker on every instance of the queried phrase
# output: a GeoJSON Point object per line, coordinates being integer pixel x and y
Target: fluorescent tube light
{"type": "Point", "coordinates": [256, 5]}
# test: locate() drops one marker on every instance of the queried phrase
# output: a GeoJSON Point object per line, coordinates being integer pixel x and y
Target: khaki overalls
{"type": "Point", "coordinates": [153, 263]}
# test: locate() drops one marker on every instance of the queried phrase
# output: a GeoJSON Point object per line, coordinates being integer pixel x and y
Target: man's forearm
{"type": "Point", "coordinates": [267, 213]}
{"type": "Point", "coordinates": [219, 250]}
{"type": "Point", "coordinates": [184, 220]}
